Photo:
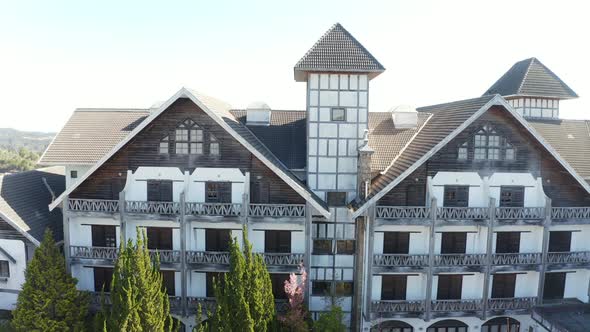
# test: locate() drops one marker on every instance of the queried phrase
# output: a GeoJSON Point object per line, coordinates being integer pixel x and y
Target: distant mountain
{"type": "Point", "coordinates": [12, 139]}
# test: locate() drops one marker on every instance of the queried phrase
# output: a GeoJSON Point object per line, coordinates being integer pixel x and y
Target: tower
{"type": "Point", "coordinates": [337, 70]}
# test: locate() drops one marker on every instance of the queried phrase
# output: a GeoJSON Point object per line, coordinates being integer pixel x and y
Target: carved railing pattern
{"type": "Point", "coordinates": [403, 212]}
{"type": "Point", "coordinates": [459, 259]}
{"type": "Point", "coordinates": [166, 256]}
{"type": "Point", "coordinates": [399, 260]}
{"type": "Point", "coordinates": [570, 213]}
{"type": "Point", "coordinates": [276, 210]}
{"type": "Point", "coordinates": [175, 302]}
{"type": "Point", "coordinates": [106, 253]}
{"type": "Point", "coordinates": [207, 303]}
{"type": "Point", "coordinates": [207, 257]}
{"type": "Point", "coordinates": [573, 257]}
{"type": "Point", "coordinates": [463, 213]}
{"type": "Point", "coordinates": [516, 303]}
{"type": "Point", "coordinates": [282, 259]}
{"type": "Point", "coordinates": [456, 305]}
{"type": "Point", "coordinates": [93, 205]}
{"type": "Point", "coordinates": [517, 258]}
{"type": "Point", "coordinates": [152, 207]}
{"type": "Point", "coordinates": [398, 306]}
{"type": "Point", "coordinates": [213, 209]}
{"type": "Point", "coordinates": [520, 213]}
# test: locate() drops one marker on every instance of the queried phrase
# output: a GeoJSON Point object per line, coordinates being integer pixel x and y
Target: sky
{"type": "Point", "coordinates": [56, 56]}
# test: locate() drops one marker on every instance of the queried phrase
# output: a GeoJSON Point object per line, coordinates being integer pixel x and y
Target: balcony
{"type": "Point", "coordinates": [213, 209]}
{"type": "Point", "coordinates": [404, 214]}
{"type": "Point", "coordinates": [398, 308]}
{"type": "Point", "coordinates": [276, 210]}
{"type": "Point", "coordinates": [463, 214]}
{"type": "Point", "coordinates": [282, 259]}
{"type": "Point", "coordinates": [149, 207]}
{"type": "Point", "coordinates": [573, 215]}
{"type": "Point", "coordinates": [517, 259]}
{"type": "Point", "coordinates": [524, 214]}
{"type": "Point", "coordinates": [512, 304]}
{"type": "Point", "coordinates": [456, 306]}
{"type": "Point", "coordinates": [451, 260]}
{"type": "Point", "coordinates": [98, 298]}
{"type": "Point", "coordinates": [400, 260]}
{"type": "Point", "coordinates": [207, 257]}
{"type": "Point", "coordinates": [109, 254]}
{"type": "Point", "coordinates": [93, 205]}
{"type": "Point", "coordinates": [572, 258]}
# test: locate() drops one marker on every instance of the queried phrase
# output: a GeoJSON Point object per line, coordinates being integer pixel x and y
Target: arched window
{"type": "Point", "coordinates": [448, 325]}
{"type": "Point", "coordinates": [487, 145]}
{"type": "Point", "coordinates": [505, 324]}
{"type": "Point", "coordinates": [188, 138]}
{"type": "Point", "coordinates": [393, 326]}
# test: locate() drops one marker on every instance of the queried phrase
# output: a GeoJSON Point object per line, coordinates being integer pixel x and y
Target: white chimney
{"type": "Point", "coordinates": [404, 116]}
{"type": "Point", "coordinates": [258, 114]}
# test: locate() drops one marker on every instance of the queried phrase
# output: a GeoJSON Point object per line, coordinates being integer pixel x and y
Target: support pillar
{"type": "Point", "coordinates": [428, 304]}
{"type": "Point", "coordinates": [488, 268]}
{"type": "Point", "coordinates": [66, 230]}
{"type": "Point", "coordinates": [183, 272]}
{"type": "Point", "coordinates": [545, 249]}
{"type": "Point", "coordinates": [122, 220]}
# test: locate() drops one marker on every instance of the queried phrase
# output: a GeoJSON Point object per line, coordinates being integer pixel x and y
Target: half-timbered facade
{"type": "Point", "coordinates": [452, 217]}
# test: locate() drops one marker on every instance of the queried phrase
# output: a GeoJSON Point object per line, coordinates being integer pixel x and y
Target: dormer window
{"type": "Point", "coordinates": [189, 139]}
{"type": "Point", "coordinates": [487, 145]}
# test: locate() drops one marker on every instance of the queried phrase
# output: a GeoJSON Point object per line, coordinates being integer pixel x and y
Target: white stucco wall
{"type": "Point", "coordinates": [80, 169]}
{"type": "Point", "coordinates": [17, 250]}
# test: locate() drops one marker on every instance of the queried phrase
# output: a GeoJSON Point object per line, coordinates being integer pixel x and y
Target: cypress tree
{"type": "Point", "coordinates": [244, 297]}
{"type": "Point", "coordinates": [139, 299]}
{"type": "Point", "coordinates": [49, 300]}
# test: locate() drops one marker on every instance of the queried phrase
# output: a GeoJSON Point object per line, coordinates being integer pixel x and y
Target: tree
{"type": "Point", "coordinates": [139, 299]}
{"type": "Point", "coordinates": [330, 321]}
{"type": "Point", "coordinates": [49, 300]}
{"type": "Point", "coordinates": [295, 318]}
{"type": "Point", "coordinates": [244, 296]}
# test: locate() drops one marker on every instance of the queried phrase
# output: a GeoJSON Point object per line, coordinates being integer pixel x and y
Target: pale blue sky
{"type": "Point", "coordinates": [59, 55]}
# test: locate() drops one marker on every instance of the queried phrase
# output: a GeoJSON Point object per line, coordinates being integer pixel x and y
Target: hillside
{"type": "Point", "coordinates": [12, 139]}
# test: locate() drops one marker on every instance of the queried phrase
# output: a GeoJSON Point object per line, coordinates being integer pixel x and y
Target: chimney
{"type": "Point", "coordinates": [404, 116]}
{"type": "Point", "coordinates": [258, 114]}
{"type": "Point", "coordinates": [364, 167]}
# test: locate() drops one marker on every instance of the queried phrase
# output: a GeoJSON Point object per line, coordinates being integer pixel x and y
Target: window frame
{"type": "Point", "coordinates": [103, 236]}
{"type": "Point", "coordinates": [454, 281]}
{"type": "Point", "coordinates": [163, 236]}
{"type": "Point", "coordinates": [559, 241]}
{"type": "Point", "coordinates": [394, 287]}
{"type": "Point", "coordinates": [4, 269]}
{"type": "Point", "coordinates": [396, 243]}
{"type": "Point", "coordinates": [274, 241]}
{"type": "Point", "coordinates": [512, 196]}
{"type": "Point", "coordinates": [218, 237]}
{"type": "Point", "coordinates": [456, 200]}
{"type": "Point", "coordinates": [222, 190]}
{"type": "Point", "coordinates": [341, 118]}
{"type": "Point", "coordinates": [336, 201]}
{"type": "Point", "coordinates": [508, 242]}
{"type": "Point", "coordinates": [503, 285]}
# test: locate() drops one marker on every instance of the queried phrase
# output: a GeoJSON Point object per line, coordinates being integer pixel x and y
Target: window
{"type": "Point", "coordinates": [453, 243]}
{"type": "Point", "coordinates": [159, 238]}
{"type": "Point", "coordinates": [507, 242]}
{"type": "Point", "coordinates": [462, 151]}
{"type": "Point", "coordinates": [554, 286]}
{"type": "Point", "coordinates": [396, 242]}
{"type": "Point", "coordinates": [259, 192]}
{"type": "Point", "coordinates": [211, 278]}
{"type": "Point", "coordinates": [343, 288]}
{"type": "Point", "coordinates": [450, 325]}
{"type": "Point", "coordinates": [4, 269]}
{"type": "Point", "coordinates": [456, 196]}
{"type": "Point", "coordinates": [487, 145]}
{"type": "Point", "coordinates": [277, 241]}
{"type": "Point", "coordinates": [503, 324]}
{"type": "Point", "coordinates": [73, 174]}
{"type": "Point", "coordinates": [168, 282]}
{"type": "Point", "coordinates": [218, 192]}
{"type": "Point", "coordinates": [512, 196]}
{"type": "Point", "coordinates": [321, 288]}
{"type": "Point", "coordinates": [560, 241]}
{"type": "Point", "coordinates": [188, 138]}
{"type": "Point", "coordinates": [338, 114]}
{"type": "Point", "coordinates": [322, 247]}
{"type": "Point", "coordinates": [217, 239]}
{"type": "Point", "coordinates": [103, 276]}
{"type": "Point", "coordinates": [213, 146]}
{"type": "Point", "coordinates": [345, 247]}
{"type": "Point", "coordinates": [449, 287]}
{"type": "Point", "coordinates": [503, 285]}
{"type": "Point", "coordinates": [104, 236]}
{"type": "Point", "coordinates": [393, 287]}
{"type": "Point", "coordinates": [159, 191]}
{"type": "Point", "coordinates": [278, 285]}
{"type": "Point", "coordinates": [164, 145]}
{"type": "Point", "coordinates": [336, 198]}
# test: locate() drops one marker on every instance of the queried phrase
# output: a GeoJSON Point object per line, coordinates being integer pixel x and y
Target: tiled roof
{"type": "Point", "coordinates": [445, 119]}
{"type": "Point", "coordinates": [387, 140]}
{"type": "Point", "coordinates": [337, 50]}
{"type": "Point", "coordinates": [531, 78]}
{"type": "Point", "coordinates": [285, 137]}
{"type": "Point", "coordinates": [571, 139]}
{"type": "Point", "coordinates": [24, 200]}
{"type": "Point", "coordinates": [89, 134]}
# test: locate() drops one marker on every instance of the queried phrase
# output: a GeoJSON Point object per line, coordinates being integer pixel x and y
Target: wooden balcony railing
{"type": "Point", "coordinates": [513, 303]}
{"type": "Point", "coordinates": [386, 306]}
{"type": "Point", "coordinates": [520, 213]}
{"type": "Point", "coordinates": [385, 260]}
{"type": "Point", "coordinates": [463, 213]}
{"type": "Point", "coordinates": [213, 209]}
{"type": "Point", "coordinates": [85, 252]}
{"type": "Point", "coordinates": [207, 303]}
{"type": "Point", "coordinates": [572, 257]}
{"type": "Point", "coordinates": [151, 207]}
{"type": "Point", "coordinates": [167, 256]}
{"type": "Point", "coordinates": [207, 257]}
{"type": "Point", "coordinates": [459, 259]}
{"type": "Point", "coordinates": [277, 210]}
{"type": "Point", "coordinates": [98, 298]}
{"type": "Point", "coordinates": [403, 212]}
{"type": "Point", "coordinates": [570, 213]}
{"type": "Point", "coordinates": [283, 258]}
{"type": "Point", "coordinates": [93, 205]}
{"type": "Point", "coordinates": [456, 305]}
{"type": "Point", "coordinates": [517, 258]}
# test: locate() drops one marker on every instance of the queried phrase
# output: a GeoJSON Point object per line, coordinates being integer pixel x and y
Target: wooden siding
{"type": "Point", "coordinates": [143, 150]}
{"type": "Point", "coordinates": [531, 157]}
